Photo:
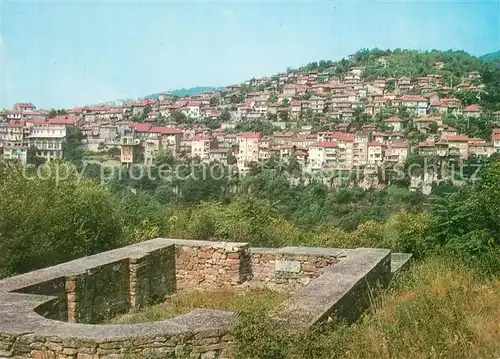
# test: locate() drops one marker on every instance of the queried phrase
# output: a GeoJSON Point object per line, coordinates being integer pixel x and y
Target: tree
{"type": "Point", "coordinates": [101, 147]}
{"type": "Point", "coordinates": [82, 218]}
{"type": "Point", "coordinates": [433, 127]}
{"type": "Point", "coordinates": [114, 151]}
{"type": "Point", "coordinates": [283, 115]}
{"type": "Point", "coordinates": [140, 117]}
{"type": "Point", "coordinates": [178, 116]}
{"type": "Point", "coordinates": [71, 147]}
{"type": "Point", "coordinates": [231, 159]}
{"type": "Point", "coordinates": [32, 158]}
{"type": "Point", "coordinates": [468, 220]}
{"type": "Point", "coordinates": [272, 98]}
{"type": "Point", "coordinates": [225, 116]}
{"type": "Point", "coordinates": [54, 113]}
{"type": "Point", "coordinates": [214, 102]}
{"type": "Point", "coordinates": [163, 158]}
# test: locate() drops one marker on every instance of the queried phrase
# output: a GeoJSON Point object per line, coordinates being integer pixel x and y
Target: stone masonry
{"type": "Point", "coordinates": [54, 313]}
{"type": "Point", "coordinates": [291, 265]}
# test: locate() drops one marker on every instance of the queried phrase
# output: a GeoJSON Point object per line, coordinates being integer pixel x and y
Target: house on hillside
{"type": "Point", "coordinates": [395, 123]}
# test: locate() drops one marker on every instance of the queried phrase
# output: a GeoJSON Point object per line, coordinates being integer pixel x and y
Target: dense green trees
{"type": "Point", "coordinates": [56, 112]}
{"type": "Point", "coordinates": [469, 220]}
{"type": "Point", "coordinates": [50, 215]}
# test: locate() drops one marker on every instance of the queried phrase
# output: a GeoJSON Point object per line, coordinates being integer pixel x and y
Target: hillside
{"type": "Point", "coordinates": [186, 92]}
{"type": "Point", "coordinates": [400, 62]}
{"type": "Point", "coordinates": [493, 56]}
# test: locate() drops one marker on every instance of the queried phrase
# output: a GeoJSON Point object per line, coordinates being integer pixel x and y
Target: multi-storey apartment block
{"type": "Point", "coordinates": [248, 149]}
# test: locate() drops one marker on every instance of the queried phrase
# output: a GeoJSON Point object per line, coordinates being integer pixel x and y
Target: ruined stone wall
{"type": "Point", "coordinates": [290, 266]}
{"type": "Point", "coordinates": [95, 288]}
{"type": "Point", "coordinates": [100, 293]}
{"type": "Point", "coordinates": [342, 292]}
{"type": "Point", "coordinates": [211, 265]}
{"type": "Point", "coordinates": [152, 277]}
{"type": "Point", "coordinates": [210, 344]}
{"type": "Point", "coordinates": [56, 308]}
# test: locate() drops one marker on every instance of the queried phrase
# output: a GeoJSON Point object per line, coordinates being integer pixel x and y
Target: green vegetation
{"type": "Point", "coordinates": [255, 300]}
{"type": "Point", "coordinates": [439, 310]}
{"type": "Point", "coordinates": [493, 56]}
{"type": "Point", "coordinates": [54, 112]}
{"type": "Point", "coordinates": [74, 215]}
{"type": "Point", "coordinates": [186, 92]}
{"type": "Point", "coordinates": [43, 222]}
{"type": "Point", "coordinates": [446, 307]}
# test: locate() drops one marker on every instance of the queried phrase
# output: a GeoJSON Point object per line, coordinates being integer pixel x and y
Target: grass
{"type": "Point", "coordinates": [439, 310]}
{"type": "Point", "coordinates": [184, 302]}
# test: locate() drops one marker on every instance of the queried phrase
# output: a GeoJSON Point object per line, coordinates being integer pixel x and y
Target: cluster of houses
{"type": "Point", "coordinates": [282, 99]}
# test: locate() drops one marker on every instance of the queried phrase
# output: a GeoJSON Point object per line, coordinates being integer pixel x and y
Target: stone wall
{"type": "Point", "coordinates": [100, 293]}
{"type": "Point", "coordinates": [44, 314]}
{"type": "Point", "coordinates": [152, 277]}
{"type": "Point", "coordinates": [57, 307]}
{"type": "Point", "coordinates": [291, 265]}
{"type": "Point", "coordinates": [200, 337]}
{"type": "Point", "coordinates": [342, 292]}
{"type": "Point", "coordinates": [211, 265]}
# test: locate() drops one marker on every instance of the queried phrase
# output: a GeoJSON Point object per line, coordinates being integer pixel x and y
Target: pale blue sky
{"type": "Point", "coordinates": [61, 54]}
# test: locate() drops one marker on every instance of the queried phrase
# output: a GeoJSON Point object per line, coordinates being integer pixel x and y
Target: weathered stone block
{"type": "Point", "coordinates": [287, 266]}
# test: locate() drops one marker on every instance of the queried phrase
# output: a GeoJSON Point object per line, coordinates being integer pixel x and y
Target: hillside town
{"type": "Point", "coordinates": [314, 116]}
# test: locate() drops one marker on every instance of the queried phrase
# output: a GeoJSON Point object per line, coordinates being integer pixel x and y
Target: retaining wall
{"type": "Point", "coordinates": [291, 265]}
{"type": "Point", "coordinates": [53, 313]}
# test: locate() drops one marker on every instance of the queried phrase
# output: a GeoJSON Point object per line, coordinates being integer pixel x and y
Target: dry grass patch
{"type": "Point", "coordinates": [184, 302]}
{"type": "Point", "coordinates": [440, 309]}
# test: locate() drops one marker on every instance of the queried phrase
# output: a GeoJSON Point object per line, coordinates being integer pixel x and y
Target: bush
{"type": "Point", "coordinates": [44, 221]}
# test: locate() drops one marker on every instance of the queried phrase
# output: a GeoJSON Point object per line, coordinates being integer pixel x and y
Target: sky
{"type": "Point", "coordinates": [74, 53]}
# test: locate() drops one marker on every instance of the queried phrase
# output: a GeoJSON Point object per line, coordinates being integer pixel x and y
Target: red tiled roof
{"type": "Point", "coordinates": [455, 138]}
{"type": "Point", "coordinates": [399, 144]}
{"type": "Point", "coordinates": [59, 120]}
{"type": "Point", "coordinates": [202, 138]}
{"type": "Point", "coordinates": [426, 144]}
{"type": "Point", "coordinates": [393, 119]}
{"type": "Point", "coordinates": [165, 130]}
{"type": "Point", "coordinates": [413, 98]}
{"type": "Point", "coordinates": [141, 127]}
{"type": "Point", "coordinates": [249, 134]}
{"type": "Point", "coordinates": [473, 108]}
{"type": "Point", "coordinates": [375, 144]}
{"type": "Point", "coordinates": [16, 123]}
{"type": "Point", "coordinates": [284, 134]}
{"type": "Point", "coordinates": [300, 153]}
{"type": "Point", "coordinates": [324, 144]}
{"type": "Point", "coordinates": [481, 144]}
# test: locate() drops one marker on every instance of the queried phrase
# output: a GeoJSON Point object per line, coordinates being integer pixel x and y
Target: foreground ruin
{"type": "Point", "coordinates": [55, 312]}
